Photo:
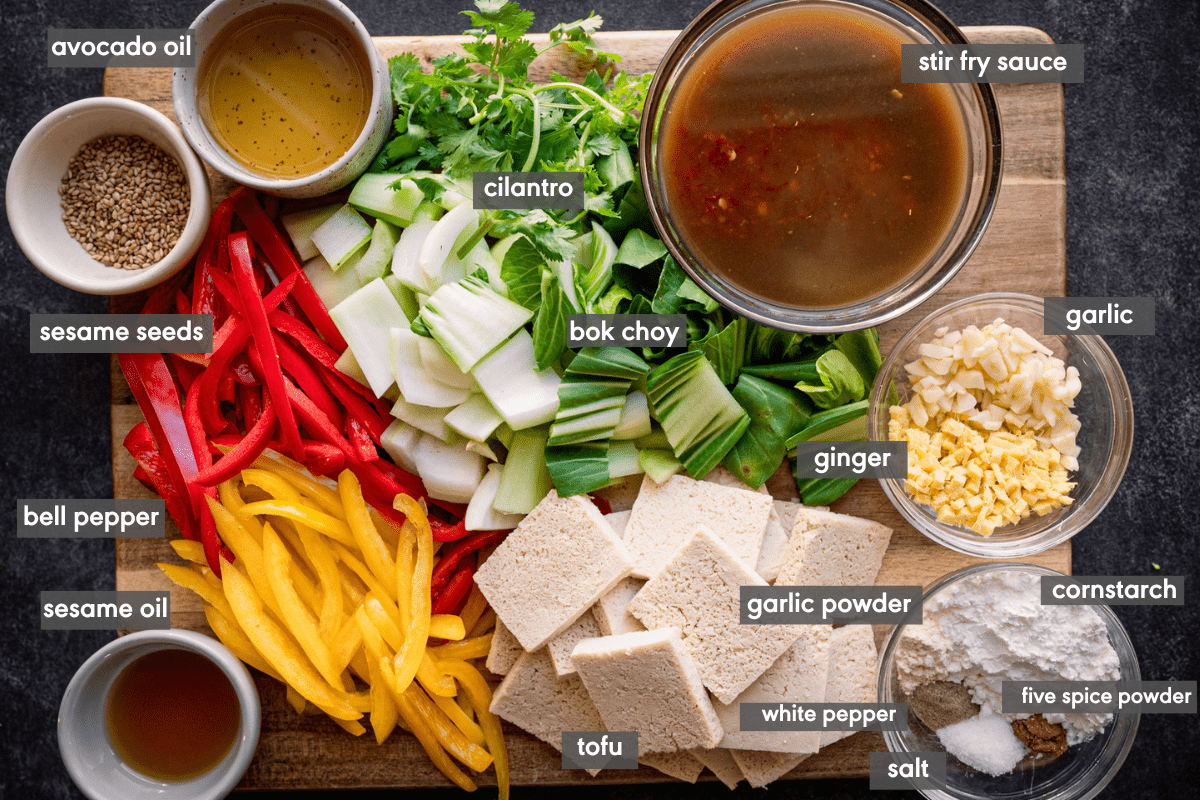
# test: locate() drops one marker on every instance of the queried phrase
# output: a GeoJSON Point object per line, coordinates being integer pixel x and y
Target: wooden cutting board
{"type": "Point", "coordinates": [1024, 250]}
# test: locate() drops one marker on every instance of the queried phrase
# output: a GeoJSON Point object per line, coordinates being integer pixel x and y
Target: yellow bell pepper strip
{"type": "Point", "coordinates": [408, 660]}
{"type": "Point", "coordinates": [450, 737]}
{"type": "Point", "coordinates": [485, 624]}
{"type": "Point", "coordinates": [295, 700]}
{"type": "Point", "coordinates": [332, 527]}
{"type": "Point", "coordinates": [416, 723]}
{"type": "Point", "coordinates": [447, 626]}
{"type": "Point", "coordinates": [466, 726]}
{"type": "Point", "coordinates": [190, 579]}
{"type": "Point", "coordinates": [383, 708]}
{"type": "Point", "coordinates": [431, 677]}
{"type": "Point", "coordinates": [231, 498]}
{"type": "Point", "coordinates": [371, 545]}
{"type": "Point", "coordinates": [232, 637]}
{"type": "Point", "coordinates": [476, 688]}
{"type": "Point", "coordinates": [279, 649]}
{"type": "Point", "coordinates": [325, 563]}
{"type": "Point", "coordinates": [360, 569]}
{"type": "Point", "coordinates": [322, 491]}
{"type": "Point", "coordinates": [404, 573]}
{"type": "Point", "coordinates": [351, 726]}
{"type": "Point", "coordinates": [236, 533]}
{"type": "Point", "coordinates": [473, 610]}
{"type": "Point", "coordinates": [477, 647]}
{"type": "Point", "coordinates": [385, 620]}
{"type": "Point", "coordinates": [349, 641]}
{"type": "Point", "coordinates": [272, 484]}
{"type": "Point", "coordinates": [188, 550]}
{"type": "Point", "coordinates": [296, 616]}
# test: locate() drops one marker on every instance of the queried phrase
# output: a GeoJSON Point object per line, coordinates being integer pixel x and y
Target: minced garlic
{"type": "Point", "coordinates": [990, 431]}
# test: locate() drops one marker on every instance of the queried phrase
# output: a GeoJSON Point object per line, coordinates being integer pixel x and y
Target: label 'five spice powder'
{"type": "Point", "coordinates": [799, 169]}
{"type": "Point", "coordinates": [285, 90]}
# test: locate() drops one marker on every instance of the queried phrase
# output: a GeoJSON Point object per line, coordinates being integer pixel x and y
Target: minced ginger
{"type": "Point", "coordinates": [990, 411]}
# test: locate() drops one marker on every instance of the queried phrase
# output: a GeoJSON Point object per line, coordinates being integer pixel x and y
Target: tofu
{"type": "Point", "coordinates": [646, 682]}
{"type": "Point", "coordinates": [723, 477]}
{"type": "Point", "coordinates": [504, 652]}
{"type": "Point", "coordinates": [680, 765]}
{"type": "Point", "coordinates": [533, 697]}
{"type": "Point", "coordinates": [774, 543]}
{"type": "Point", "coordinates": [762, 768]}
{"type": "Point", "coordinates": [852, 672]}
{"type": "Point", "coordinates": [827, 549]}
{"type": "Point", "coordinates": [612, 610]}
{"type": "Point", "coordinates": [698, 592]}
{"type": "Point", "coordinates": [798, 676]}
{"type": "Point", "coordinates": [666, 514]}
{"type": "Point", "coordinates": [617, 520]}
{"type": "Point", "coordinates": [722, 765]}
{"type": "Point", "coordinates": [560, 646]}
{"type": "Point", "coordinates": [550, 570]}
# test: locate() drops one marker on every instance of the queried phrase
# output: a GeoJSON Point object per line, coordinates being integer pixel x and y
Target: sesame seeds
{"type": "Point", "coordinates": [125, 200]}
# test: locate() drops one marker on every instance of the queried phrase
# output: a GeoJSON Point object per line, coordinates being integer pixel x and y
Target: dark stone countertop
{"type": "Point", "coordinates": [1132, 178]}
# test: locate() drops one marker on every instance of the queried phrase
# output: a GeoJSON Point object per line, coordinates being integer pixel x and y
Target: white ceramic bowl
{"type": "Point", "coordinates": [83, 741]}
{"type": "Point", "coordinates": [352, 163]}
{"type": "Point", "coordinates": [32, 198]}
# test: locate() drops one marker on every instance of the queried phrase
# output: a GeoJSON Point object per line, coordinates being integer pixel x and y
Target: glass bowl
{"type": "Point", "coordinates": [1079, 774]}
{"type": "Point", "coordinates": [914, 20]}
{"type": "Point", "coordinates": [1104, 408]}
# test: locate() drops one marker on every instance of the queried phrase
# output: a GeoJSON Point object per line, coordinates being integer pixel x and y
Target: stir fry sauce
{"type": "Point", "coordinates": [799, 169]}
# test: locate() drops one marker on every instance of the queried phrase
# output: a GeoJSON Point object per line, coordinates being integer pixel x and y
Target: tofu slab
{"type": "Point", "coordinates": [612, 610]}
{"type": "Point", "coordinates": [852, 672]}
{"type": "Point", "coordinates": [798, 676]}
{"type": "Point", "coordinates": [560, 646]}
{"type": "Point", "coordinates": [680, 765]}
{"type": "Point", "coordinates": [646, 682]}
{"type": "Point", "coordinates": [698, 592]}
{"type": "Point", "coordinates": [827, 549]}
{"type": "Point", "coordinates": [762, 768]}
{"type": "Point", "coordinates": [721, 762]}
{"type": "Point", "coordinates": [560, 559]}
{"type": "Point", "coordinates": [533, 697]}
{"type": "Point", "coordinates": [504, 652]}
{"type": "Point", "coordinates": [774, 543]}
{"type": "Point", "coordinates": [666, 514]}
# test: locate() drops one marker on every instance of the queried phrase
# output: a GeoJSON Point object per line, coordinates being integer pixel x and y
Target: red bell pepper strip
{"type": "Point", "coordinates": [203, 290]}
{"type": "Point", "coordinates": [305, 336]}
{"type": "Point", "coordinates": [242, 372]}
{"type": "Point", "coordinates": [186, 369]}
{"type": "Point", "coordinates": [245, 451]}
{"type": "Point", "coordinates": [210, 402]}
{"type": "Point", "coordinates": [213, 546]}
{"type": "Point", "coordinates": [143, 477]}
{"type": "Point", "coordinates": [312, 385]}
{"type": "Point", "coordinates": [449, 562]}
{"type": "Point", "coordinates": [602, 505]}
{"type": "Point", "coordinates": [454, 593]}
{"type": "Point", "coordinates": [195, 428]}
{"type": "Point", "coordinates": [140, 444]}
{"type": "Point", "coordinates": [356, 408]}
{"type": "Point", "coordinates": [242, 262]}
{"type": "Point", "coordinates": [323, 459]}
{"type": "Point", "coordinates": [182, 304]}
{"type": "Point", "coordinates": [277, 251]}
{"type": "Point", "coordinates": [249, 404]}
{"type": "Point", "coordinates": [447, 531]}
{"type": "Point", "coordinates": [154, 389]}
{"type": "Point", "coordinates": [360, 437]}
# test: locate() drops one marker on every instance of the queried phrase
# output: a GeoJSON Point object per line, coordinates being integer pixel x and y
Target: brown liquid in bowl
{"type": "Point", "coordinates": [798, 168]}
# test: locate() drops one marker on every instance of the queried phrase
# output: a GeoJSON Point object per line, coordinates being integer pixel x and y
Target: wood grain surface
{"type": "Point", "coordinates": [1023, 250]}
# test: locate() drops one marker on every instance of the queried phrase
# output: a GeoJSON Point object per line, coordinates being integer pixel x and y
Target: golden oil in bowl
{"type": "Point", "coordinates": [284, 90]}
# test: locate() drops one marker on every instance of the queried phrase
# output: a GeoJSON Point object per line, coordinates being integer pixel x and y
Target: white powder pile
{"type": "Point", "coordinates": [991, 627]}
{"type": "Point", "coordinates": [985, 742]}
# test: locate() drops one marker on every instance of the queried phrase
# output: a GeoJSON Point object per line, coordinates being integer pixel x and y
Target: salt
{"type": "Point", "coordinates": [985, 742]}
